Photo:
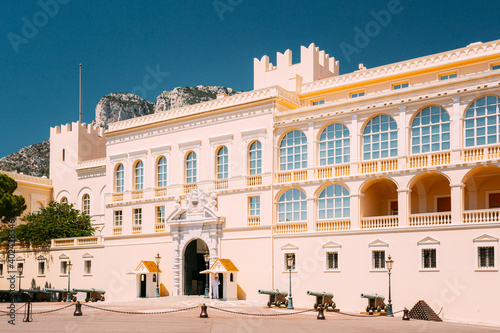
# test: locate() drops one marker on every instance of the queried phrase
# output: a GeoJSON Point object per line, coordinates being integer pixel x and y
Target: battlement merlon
{"type": "Point", "coordinates": [315, 64]}
{"type": "Point", "coordinates": [67, 128]}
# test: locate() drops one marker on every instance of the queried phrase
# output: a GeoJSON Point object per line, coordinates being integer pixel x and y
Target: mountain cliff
{"type": "Point", "coordinates": [34, 160]}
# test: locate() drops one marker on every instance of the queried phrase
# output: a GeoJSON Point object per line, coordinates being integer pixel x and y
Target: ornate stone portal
{"type": "Point", "coordinates": [198, 219]}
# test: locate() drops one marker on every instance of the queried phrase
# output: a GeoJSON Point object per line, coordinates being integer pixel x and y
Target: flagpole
{"type": "Point", "coordinates": [80, 93]}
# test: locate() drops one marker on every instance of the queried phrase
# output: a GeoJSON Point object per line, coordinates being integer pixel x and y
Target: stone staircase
{"type": "Point", "coordinates": [422, 311]}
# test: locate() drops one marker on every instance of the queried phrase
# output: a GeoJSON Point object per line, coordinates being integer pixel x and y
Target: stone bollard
{"type": "Point", "coordinates": [78, 309]}
{"type": "Point", "coordinates": [28, 313]}
{"type": "Point", "coordinates": [321, 315]}
{"type": "Point", "coordinates": [203, 313]}
{"type": "Point", "coordinates": [406, 315]}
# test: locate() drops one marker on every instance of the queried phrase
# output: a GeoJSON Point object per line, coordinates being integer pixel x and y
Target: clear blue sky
{"type": "Point", "coordinates": [117, 41]}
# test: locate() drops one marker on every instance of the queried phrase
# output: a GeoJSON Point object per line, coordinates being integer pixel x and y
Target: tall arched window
{"type": "Point", "coordinates": [292, 206]}
{"type": "Point", "coordinates": [255, 158]}
{"type": "Point", "coordinates": [293, 151]}
{"type": "Point", "coordinates": [222, 163]}
{"type": "Point", "coordinates": [482, 121]}
{"type": "Point", "coordinates": [161, 172]}
{"type": "Point", "coordinates": [191, 168]}
{"type": "Point", "coordinates": [380, 138]}
{"type": "Point", "coordinates": [334, 203]}
{"type": "Point", "coordinates": [334, 145]}
{"type": "Point", "coordinates": [64, 200]}
{"type": "Point", "coordinates": [430, 130]}
{"type": "Point", "coordinates": [86, 204]}
{"type": "Point", "coordinates": [139, 176]}
{"type": "Point", "coordinates": [120, 178]}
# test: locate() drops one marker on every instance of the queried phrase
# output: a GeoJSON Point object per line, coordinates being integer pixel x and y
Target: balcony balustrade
{"type": "Point", "coordinates": [430, 219]}
{"type": "Point", "coordinates": [117, 197]}
{"type": "Point", "coordinates": [189, 187]}
{"type": "Point", "coordinates": [117, 231]}
{"type": "Point", "coordinates": [160, 191]}
{"type": "Point", "coordinates": [333, 171]}
{"type": "Point", "coordinates": [290, 228]}
{"type": "Point", "coordinates": [254, 180]}
{"type": "Point", "coordinates": [379, 166]}
{"type": "Point", "coordinates": [159, 227]}
{"type": "Point", "coordinates": [221, 184]}
{"type": "Point", "coordinates": [253, 220]}
{"type": "Point", "coordinates": [137, 229]}
{"type": "Point", "coordinates": [340, 225]}
{"type": "Point", "coordinates": [422, 161]}
{"type": "Point", "coordinates": [136, 195]}
{"type": "Point", "coordinates": [482, 216]}
{"type": "Point", "coordinates": [289, 176]}
{"type": "Point", "coordinates": [378, 222]}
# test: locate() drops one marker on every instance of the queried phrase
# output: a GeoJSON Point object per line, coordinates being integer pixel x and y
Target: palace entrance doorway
{"type": "Point", "coordinates": [194, 263]}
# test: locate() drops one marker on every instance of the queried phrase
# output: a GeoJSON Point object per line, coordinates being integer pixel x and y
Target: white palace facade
{"type": "Point", "coordinates": [339, 171]}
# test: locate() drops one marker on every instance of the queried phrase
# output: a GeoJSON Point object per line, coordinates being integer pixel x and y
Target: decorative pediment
{"type": "Point", "coordinates": [87, 255]}
{"type": "Point", "coordinates": [41, 257]}
{"type": "Point", "coordinates": [19, 258]}
{"type": "Point", "coordinates": [428, 241]}
{"type": "Point", "coordinates": [223, 266]}
{"type": "Point", "coordinates": [63, 256]}
{"type": "Point", "coordinates": [485, 238]}
{"type": "Point", "coordinates": [198, 206]}
{"type": "Point", "coordinates": [146, 267]}
{"type": "Point", "coordinates": [378, 243]}
{"type": "Point", "coordinates": [331, 245]}
{"type": "Point", "coordinates": [289, 246]}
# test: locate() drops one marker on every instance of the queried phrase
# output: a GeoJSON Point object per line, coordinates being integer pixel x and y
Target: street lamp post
{"type": "Point", "coordinates": [206, 256]}
{"type": "Point", "coordinates": [290, 263]}
{"type": "Point", "coordinates": [19, 273]}
{"type": "Point", "coordinates": [157, 259]}
{"type": "Point", "coordinates": [68, 295]}
{"type": "Point", "coordinates": [389, 263]}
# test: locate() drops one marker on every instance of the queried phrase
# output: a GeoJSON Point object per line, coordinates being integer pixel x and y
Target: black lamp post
{"type": "Point", "coordinates": [389, 263]}
{"type": "Point", "coordinates": [206, 256]}
{"type": "Point", "coordinates": [290, 264]}
{"type": "Point", "coordinates": [68, 295]}
{"type": "Point", "coordinates": [157, 260]}
{"type": "Point", "coordinates": [19, 273]}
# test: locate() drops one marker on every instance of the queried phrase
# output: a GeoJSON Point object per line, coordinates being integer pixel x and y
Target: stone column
{"type": "Point", "coordinates": [311, 152]}
{"type": "Point", "coordinates": [457, 199]}
{"type": "Point", "coordinates": [355, 210]}
{"type": "Point", "coordinates": [455, 131]}
{"type": "Point", "coordinates": [355, 144]}
{"type": "Point", "coordinates": [402, 137]}
{"type": "Point", "coordinates": [176, 264]}
{"type": "Point", "coordinates": [403, 207]}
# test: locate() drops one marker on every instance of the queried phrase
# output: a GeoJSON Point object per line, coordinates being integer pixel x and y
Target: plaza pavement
{"type": "Point", "coordinates": [97, 320]}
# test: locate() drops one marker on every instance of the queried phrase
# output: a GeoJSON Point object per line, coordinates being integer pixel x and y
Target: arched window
{"type": "Point", "coordinates": [430, 130]}
{"type": "Point", "coordinates": [64, 200]}
{"type": "Point", "coordinates": [334, 203]}
{"type": "Point", "coordinates": [292, 206]}
{"type": "Point", "coordinates": [255, 158]}
{"type": "Point", "coordinates": [139, 176]}
{"type": "Point", "coordinates": [380, 138]}
{"type": "Point", "coordinates": [293, 151]}
{"type": "Point", "coordinates": [222, 161]}
{"type": "Point", "coordinates": [482, 121]}
{"type": "Point", "coordinates": [86, 204]}
{"type": "Point", "coordinates": [191, 168]}
{"type": "Point", "coordinates": [120, 178]}
{"type": "Point", "coordinates": [334, 145]}
{"type": "Point", "coordinates": [161, 172]}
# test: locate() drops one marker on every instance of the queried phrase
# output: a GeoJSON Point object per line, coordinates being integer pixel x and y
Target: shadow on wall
{"type": "Point", "coordinates": [241, 294]}
{"type": "Point", "coordinates": [163, 290]}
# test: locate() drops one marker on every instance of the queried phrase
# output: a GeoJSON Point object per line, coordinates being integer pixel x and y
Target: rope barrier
{"type": "Point", "coordinates": [260, 314]}
{"type": "Point", "coordinates": [360, 315]}
{"type": "Point", "coordinates": [54, 310]}
{"type": "Point", "coordinates": [8, 312]}
{"type": "Point", "coordinates": [133, 312]}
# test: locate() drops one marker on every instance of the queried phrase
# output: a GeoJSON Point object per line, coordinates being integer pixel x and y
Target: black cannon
{"type": "Point", "coordinates": [323, 298]}
{"type": "Point", "coordinates": [93, 295]}
{"type": "Point", "coordinates": [276, 297]}
{"type": "Point", "coordinates": [37, 295]}
{"type": "Point", "coordinates": [375, 302]}
{"type": "Point", "coordinates": [62, 294]}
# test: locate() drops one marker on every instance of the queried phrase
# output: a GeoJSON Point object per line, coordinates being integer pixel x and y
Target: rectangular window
{"type": "Point", "coordinates": [429, 259]}
{"type": "Point", "coordinates": [400, 85]}
{"type": "Point", "coordinates": [378, 259]}
{"type": "Point", "coordinates": [494, 200]}
{"type": "Point", "coordinates": [318, 102]}
{"type": "Point", "coordinates": [1, 269]}
{"type": "Point", "coordinates": [64, 268]}
{"type": "Point", "coordinates": [287, 255]}
{"type": "Point", "coordinates": [448, 76]}
{"type": "Point", "coordinates": [87, 267]}
{"type": "Point", "coordinates": [486, 257]}
{"type": "Point", "coordinates": [332, 260]}
{"type": "Point", "coordinates": [394, 207]}
{"type": "Point", "coordinates": [444, 204]}
{"type": "Point", "coordinates": [41, 268]}
{"type": "Point", "coordinates": [355, 94]}
{"type": "Point", "coordinates": [138, 216]}
{"type": "Point", "coordinates": [495, 66]}
{"type": "Point", "coordinates": [20, 266]}
{"type": "Point", "coordinates": [118, 218]}
{"type": "Point", "coordinates": [160, 214]}
{"type": "Point", "coordinates": [254, 206]}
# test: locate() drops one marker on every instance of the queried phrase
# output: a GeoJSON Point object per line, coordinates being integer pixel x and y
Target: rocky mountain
{"type": "Point", "coordinates": [34, 160]}
{"type": "Point", "coordinates": [31, 160]}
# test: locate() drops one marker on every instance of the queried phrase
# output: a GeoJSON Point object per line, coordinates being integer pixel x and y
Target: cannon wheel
{"type": "Point", "coordinates": [269, 304]}
{"type": "Point", "coordinates": [367, 308]}
{"type": "Point", "coordinates": [86, 299]}
{"type": "Point", "coordinates": [278, 304]}
{"type": "Point", "coordinates": [102, 299]}
{"type": "Point", "coordinates": [333, 305]}
{"type": "Point", "coordinates": [73, 299]}
{"type": "Point", "coordinates": [286, 303]}
{"type": "Point", "coordinates": [315, 306]}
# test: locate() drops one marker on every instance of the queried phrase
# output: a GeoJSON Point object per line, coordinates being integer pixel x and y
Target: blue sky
{"type": "Point", "coordinates": [203, 42]}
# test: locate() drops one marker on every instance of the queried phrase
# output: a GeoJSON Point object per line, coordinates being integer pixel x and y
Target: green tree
{"type": "Point", "coordinates": [11, 205]}
{"type": "Point", "coordinates": [57, 220]}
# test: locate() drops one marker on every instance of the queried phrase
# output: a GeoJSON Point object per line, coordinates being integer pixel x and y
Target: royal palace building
{"type": "Point", "coordinates": [337, 171]}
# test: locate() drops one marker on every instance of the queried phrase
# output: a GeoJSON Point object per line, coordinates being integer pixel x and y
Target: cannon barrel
{"type": "Point", "coordinates": [320, 293]}
{"type": "Point", "coordinates": [92, 290]}
{"type": "Point", "coordinates": [51, 290]}
{"type": "Point", "coordinates": [273, 292]}
{"type": "Point", "coordinates": [373, 296]}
